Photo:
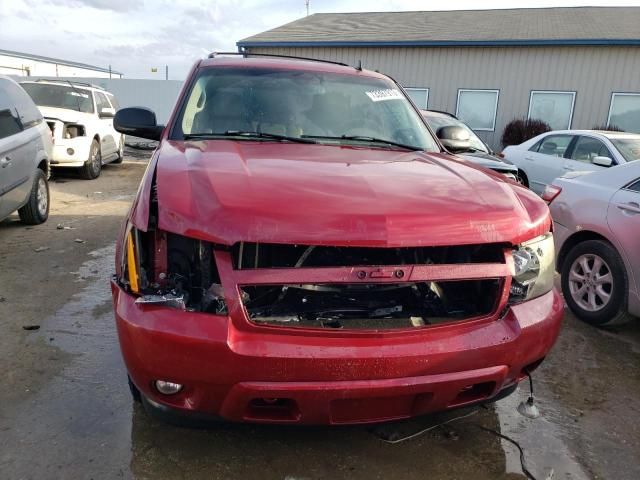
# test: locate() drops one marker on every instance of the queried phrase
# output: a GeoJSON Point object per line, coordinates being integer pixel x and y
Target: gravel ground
{"type": "Point", "coordinates": [65, 411]}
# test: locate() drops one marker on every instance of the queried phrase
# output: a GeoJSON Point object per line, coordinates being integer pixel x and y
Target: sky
{"type": "Point", "coordinates": [134, 36]}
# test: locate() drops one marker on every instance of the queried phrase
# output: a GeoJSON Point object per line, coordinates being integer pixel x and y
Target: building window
{"type": "Point", "coordinates": [478, 108]}
{"type": "Point", "coordinates": [555, 108]}
{"type": "Point", "coordinates": [624, 112]}
{"type": "Point", "coordinates": [420, 96]}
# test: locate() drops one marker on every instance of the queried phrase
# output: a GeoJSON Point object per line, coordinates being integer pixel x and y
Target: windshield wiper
{"type": "Point", "coordinates": [241, 133]}
{"type": "Point", "coordinates": [364, 138]}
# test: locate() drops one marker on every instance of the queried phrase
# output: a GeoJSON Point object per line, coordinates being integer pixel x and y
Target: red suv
{"type": "Point", "coordinates": [302, 249]}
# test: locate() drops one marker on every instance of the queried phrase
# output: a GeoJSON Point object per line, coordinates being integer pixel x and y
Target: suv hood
{"type": "Point", "coordinates": [65, 114]}
{"type": "Point", "coordinates": [226, 191]}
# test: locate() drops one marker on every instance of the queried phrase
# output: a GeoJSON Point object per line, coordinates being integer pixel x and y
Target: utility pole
{"type": "Point", "coordinates": [166, 72]}
{"type": "Point", "coordinates": [306, 2]}
{"type": "Point", "coordinates": [109, 71]}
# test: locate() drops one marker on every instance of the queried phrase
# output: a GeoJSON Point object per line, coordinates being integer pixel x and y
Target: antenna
{"type": "Point", "coordinates": [306, 3]}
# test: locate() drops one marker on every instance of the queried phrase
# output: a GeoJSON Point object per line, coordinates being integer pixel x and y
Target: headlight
{"type": "Point", "coordinates": [162, 268]}
{"type": "Point", "coordinates": [534, 269]}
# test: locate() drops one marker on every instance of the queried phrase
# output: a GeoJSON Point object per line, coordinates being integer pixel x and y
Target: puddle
{"type": "Point", "coordinates": [547, 456]}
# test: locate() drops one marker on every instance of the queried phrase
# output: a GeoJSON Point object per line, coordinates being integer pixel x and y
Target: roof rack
{"type": "Point", "coordinates": [71, 82]}
{"type": "Point", "coordinates": [246, 54]}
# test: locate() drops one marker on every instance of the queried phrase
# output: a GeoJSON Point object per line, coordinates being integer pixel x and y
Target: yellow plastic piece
{"type": "Point", "coordinates": [131, 264]}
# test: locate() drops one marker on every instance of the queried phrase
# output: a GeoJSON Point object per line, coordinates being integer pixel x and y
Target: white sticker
{"type": "Point", "coordinates": [382, 95]}
{"type": "Point", "coordinates": [78, 94]}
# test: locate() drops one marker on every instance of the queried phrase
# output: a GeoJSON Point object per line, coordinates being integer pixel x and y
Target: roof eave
{"type": "Point", "coordinates": [442, 43]}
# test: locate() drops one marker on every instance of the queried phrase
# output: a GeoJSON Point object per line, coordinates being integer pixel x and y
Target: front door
{"type": "Point", "coordinates": [107, 132]}
{"type": "Point", "coordinates": [624, 221]}
{"type": "Point", "coordinates": [583, 153]}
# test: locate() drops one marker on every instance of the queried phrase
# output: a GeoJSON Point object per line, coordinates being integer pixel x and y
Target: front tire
{"type": "Point", "coordinates": [93, 166]}
{"type": "Point", "coordinates": [36, 210]}
{"type": "Point", "coordinates": [594, 283]}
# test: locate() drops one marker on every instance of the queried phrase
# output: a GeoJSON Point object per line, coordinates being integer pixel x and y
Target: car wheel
{"type": "Point", "coordinates": [36, 210]}
{"type": "Point", "coordinates": [135, 393]}
{"type": "Point", "coordinates": [594, 283]}
{"type": "Point", "coordinates": [92, 167]}
{"type": "Point", "coordinates": [120, 153]}
{"type": "Point", "coordinates": [522, 179]}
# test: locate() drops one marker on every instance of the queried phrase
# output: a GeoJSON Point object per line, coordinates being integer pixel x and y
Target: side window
{"type": "Point", "coordinates": [114, 101]}
{"type": "Point", "coordinates": [9, 121]}
{"type": "Point", "coordinates": [555, 145]}
{"type": "Point", "coordinates": [536, 146]}
{"type": "Point", "coordinates": [588, 148]}
{"type": "Point", "coordinates": [101, 101]}
{"type": "Point", "coordinates": [28, 113]}
{"type": "Point", "coordinates": [634, 186]}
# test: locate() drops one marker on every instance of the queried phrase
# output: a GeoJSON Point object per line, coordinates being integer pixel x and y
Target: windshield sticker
{"type": "Point", "coordinates": [382, 95]}
{"type": "Point", "coordinates": [78, 94]}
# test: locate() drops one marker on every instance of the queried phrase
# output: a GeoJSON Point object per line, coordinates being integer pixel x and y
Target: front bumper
{"type": "Point", "coordinates": [311, 378]}
{"type": "Point", "coordinates": [71, 152]}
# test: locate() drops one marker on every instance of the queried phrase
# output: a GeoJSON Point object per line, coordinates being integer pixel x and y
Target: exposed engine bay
{"type": "Point", "coordinates": [181, 272]}
{"type": "Point", "coordinates": [369, 306]}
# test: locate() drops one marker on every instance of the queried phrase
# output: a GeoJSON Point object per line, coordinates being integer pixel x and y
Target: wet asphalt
{"type": "Point", "coordinates": [66, 412]}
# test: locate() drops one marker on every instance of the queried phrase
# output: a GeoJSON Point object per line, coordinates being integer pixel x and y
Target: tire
{"type": "Point", "coordinates": [120, 153]}
{"type": "Point", "coordinates": [92, 167]}
{"type": "Point", "coordinates": [594, 283]}
{"type": "Point", "coordinates": [36, 210]}
{"type": "Point", "coordinates": [522, 179]}
{"type": "Point", "coordinates": [135, 393]}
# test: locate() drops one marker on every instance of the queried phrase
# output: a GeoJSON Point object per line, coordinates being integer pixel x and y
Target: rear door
{"type": "Point", "coordinates": [545, 160]}
{"type": "Point", "coordinates": [624, 221]}
{"type": "Point", "coordinates": [584, 151]}
{"type": "Point", "coordinates": [107, 132]}
{"type": "Point", "coordinates": [18, 147]}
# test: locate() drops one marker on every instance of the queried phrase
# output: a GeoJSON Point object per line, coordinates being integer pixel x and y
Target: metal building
{"type": "Point", "coordinates": [572, 67]}
{"type": "Point", "coordinates": [26, 64]}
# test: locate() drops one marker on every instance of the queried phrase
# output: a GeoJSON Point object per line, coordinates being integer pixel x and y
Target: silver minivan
{"type": "Point", "coordinates": [25, 152]}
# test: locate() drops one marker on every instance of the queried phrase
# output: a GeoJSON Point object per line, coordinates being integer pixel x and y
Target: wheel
{"type": "Point", "coordinates": [522, 179]}
{"type": "Point", "coordinates": [135, 393]}
{"type": "Point", "coordinates": [36, 210]}
{"type": "Point", "coordinates": [120, 153]}
{"type": "Point", "coordinates": [594, 283]}
{"type": "Point", "coordinates": [92, 167]}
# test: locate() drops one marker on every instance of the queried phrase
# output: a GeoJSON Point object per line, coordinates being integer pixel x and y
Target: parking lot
{"type": "Point", "coordinates": [66, 412]}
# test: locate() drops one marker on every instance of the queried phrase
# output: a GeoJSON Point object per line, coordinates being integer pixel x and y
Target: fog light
{"type": "Point", "coordinates": [70, 151]}
{"type": "Point", "coordinates": [168, 388]}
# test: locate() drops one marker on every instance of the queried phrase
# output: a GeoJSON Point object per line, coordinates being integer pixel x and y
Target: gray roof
{"type": "Point", "coordinates": [530, 26]}
{"type": "Point", "coordinates": [40, 58]}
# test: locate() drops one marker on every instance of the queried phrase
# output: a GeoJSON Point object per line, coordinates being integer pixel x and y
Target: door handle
{"type": "Point", "coordinates": [571, 169]}
{"type": "Point", "coordinates": [632, 207]}
{"type": "Point", "coordinates": [5, 162]}
{"type": "Point", "coordinates": [529, 158]}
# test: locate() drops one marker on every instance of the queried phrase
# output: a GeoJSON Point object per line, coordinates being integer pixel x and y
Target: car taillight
{"type": "Point", "coordinates": [550, 193]}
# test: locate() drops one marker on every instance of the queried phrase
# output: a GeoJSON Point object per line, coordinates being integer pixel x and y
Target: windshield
{"type": "Point", "coordinates": [291, 104]}
{"type": "Point", "coordinates": [60, 96]}
{"type": "Point", "coordinates": [437, 121]}
{"type": "Point", "coordinates": [629, 147]}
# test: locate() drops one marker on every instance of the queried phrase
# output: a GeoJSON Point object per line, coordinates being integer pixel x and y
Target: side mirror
{"type": "Point", "coordinates": [602, 161]}
{"type": "Point", "coordinates": [107, 112]}
{"type": "Point", "coordinates": [138, 122]}
{"type": "Point", "coordinates": [455, 139]}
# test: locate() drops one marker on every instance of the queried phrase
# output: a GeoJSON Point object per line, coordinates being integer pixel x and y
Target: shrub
{"type": "Point", "coordinates": [607, 128]}
{"type": "Point", "coordinates": [520, 130]}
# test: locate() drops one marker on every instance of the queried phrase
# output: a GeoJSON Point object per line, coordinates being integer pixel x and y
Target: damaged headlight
{"type": "Point", "coordinates": [163, 268]}
{"type": "Point", "coordinates": [534, 269]}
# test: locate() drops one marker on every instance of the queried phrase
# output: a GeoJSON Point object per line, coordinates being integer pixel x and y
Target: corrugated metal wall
{"type": "Point", "coordinates": [593, 72]}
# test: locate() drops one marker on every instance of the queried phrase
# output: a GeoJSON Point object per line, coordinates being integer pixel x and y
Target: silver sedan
{"type": "Point", "coordinates": [597, 233]}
